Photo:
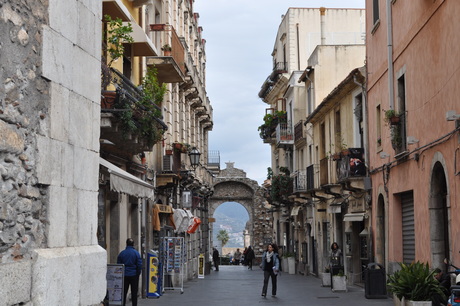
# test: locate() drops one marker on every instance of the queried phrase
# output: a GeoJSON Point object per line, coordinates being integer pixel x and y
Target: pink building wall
{"type": "Point", "coordinates": [426, 47]}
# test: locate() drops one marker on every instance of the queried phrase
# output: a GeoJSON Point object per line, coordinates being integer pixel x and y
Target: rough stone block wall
{"type": "Point", "coordinates": [49, 152]}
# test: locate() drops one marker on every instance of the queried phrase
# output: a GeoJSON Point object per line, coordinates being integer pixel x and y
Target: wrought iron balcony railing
{"type": "Point", "coordinates": [284, 135]}
{"type": "Point", "coordinates": [300, 181]}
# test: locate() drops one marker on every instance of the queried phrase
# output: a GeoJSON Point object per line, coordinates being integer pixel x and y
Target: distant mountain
{"type": "Point", "coordinates": [232, 217]}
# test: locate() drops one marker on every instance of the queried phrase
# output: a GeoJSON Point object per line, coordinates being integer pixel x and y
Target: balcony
{"type": "Point", "coordinates": [284, 135]}
{"type": "Point", "coordinates": [351, 165]}
{"type": "Point", "coordinates": [278, 68]}
{"type": "Point", "coordinates": [128, 125]}
{"type": "Point", "coordinates": [171, 67]}
{"type": "Point", "coordinates": [300, 181]}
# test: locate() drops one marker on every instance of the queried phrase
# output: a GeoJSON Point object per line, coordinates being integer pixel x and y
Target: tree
{"type": "Point", "coordinates": [222, 236]}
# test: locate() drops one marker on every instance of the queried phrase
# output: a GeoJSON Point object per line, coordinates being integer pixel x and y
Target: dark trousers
{"type": "Point", "coordinates": [216, 265]}
{"type": "Point", "coordinates": [132, 281]}
{"type": "Point", "coordinates": [250, 264]}
{"type": "Point", "coordinates": [267, 275]}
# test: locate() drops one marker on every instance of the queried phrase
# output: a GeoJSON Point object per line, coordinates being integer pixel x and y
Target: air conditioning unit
{"type": "Point", "coordinates": [167, 163]}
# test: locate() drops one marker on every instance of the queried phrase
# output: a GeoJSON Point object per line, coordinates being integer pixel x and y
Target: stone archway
{"type": "Point", "coordinates": [232, 185]}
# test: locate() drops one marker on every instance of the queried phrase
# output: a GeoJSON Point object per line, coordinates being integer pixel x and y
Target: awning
{"type": "Point", "coordinates": [142, 45]}
{"type": "Point", "coordinates": [116, 9]}
{"type": "Point", "coordinates": [295, 210]}
{"type": "Point", "coordinates": [124, 182]}
{"type": "Point", "coordinates": [354, 217]}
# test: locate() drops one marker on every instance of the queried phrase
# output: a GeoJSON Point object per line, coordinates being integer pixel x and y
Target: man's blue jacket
{"type": "Point", "coordinates": [132, 261]}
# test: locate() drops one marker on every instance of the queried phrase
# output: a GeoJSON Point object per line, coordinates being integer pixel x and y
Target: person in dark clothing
{"type": "Point", "coordinates": [133, 268]}
{"type": "Point", "coordinates": [250, 256]}
{"type": "Point", "coordinates": [271, 266]}
{"type": "Point", "coordinates": [444, 281]}
{"type": "Point", "coordinates": [216, 258]}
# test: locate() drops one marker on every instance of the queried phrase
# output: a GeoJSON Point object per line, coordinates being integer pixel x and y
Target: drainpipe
{"type": "Point", "coordinates": [390, 55]}
{"type": "Point", "coordinates": [322, 11]}
{"type": "Point", "coordinates": [298, 47]}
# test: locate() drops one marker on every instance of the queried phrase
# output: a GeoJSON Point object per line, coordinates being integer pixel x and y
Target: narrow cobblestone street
{"type": "Point", "coordinates": [236, 285]}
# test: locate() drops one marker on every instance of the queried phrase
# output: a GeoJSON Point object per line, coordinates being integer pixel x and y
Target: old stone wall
{"type": "Point", "coordinates": [232, 185]}
{"type": "Point", "coordinates": [49, 152]}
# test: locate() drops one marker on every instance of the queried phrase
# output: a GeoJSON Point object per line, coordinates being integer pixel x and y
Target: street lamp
{"type": "Point", "coordinates": [194, 155]}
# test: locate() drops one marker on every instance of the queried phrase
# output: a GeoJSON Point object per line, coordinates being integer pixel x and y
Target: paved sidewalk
{"type": "Point", "coordinates": [236, 285]}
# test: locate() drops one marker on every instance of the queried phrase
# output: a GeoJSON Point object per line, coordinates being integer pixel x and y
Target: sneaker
{"type": "Point", "coordinates": [264, 294]}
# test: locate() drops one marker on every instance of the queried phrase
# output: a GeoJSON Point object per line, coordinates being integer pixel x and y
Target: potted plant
{"type": "Point", "coordinates": [166, 50]}
{"type": "Point", "coordinates": [326, 277]}
{"type": "Point", "coordinates": [290, 259]}
{"type": "Point", "coordinates": [415, 283]}
{"type": "Point", "coordinates": [392, 117]}
{"type": "Point", "coordinates": [339, 282]}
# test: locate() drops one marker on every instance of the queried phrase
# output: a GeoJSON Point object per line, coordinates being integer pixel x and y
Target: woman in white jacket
{"type": "Point", "coordinates": [271, 266]}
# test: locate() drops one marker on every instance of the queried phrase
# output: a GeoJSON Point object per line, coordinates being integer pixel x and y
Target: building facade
{"type": "Point", "coordinates": [413, 162]}
{"type": "Point", "coordinates": [166, 185]}
{"type": "Point", "coordinates": [97, 138]}
{"type": "Point", "coordinates": [313, 53]}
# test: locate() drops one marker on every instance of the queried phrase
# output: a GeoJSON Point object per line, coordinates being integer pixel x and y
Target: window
{"type": "Point", "coordinates": [378, 116]}
{"type": "Point", "coordinates": [375, 11]}
{"type": "Point", "coordinates": [401, 107]}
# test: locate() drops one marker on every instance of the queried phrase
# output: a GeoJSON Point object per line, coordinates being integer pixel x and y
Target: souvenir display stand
{"type": "Point", "coordinates": [173, 257]}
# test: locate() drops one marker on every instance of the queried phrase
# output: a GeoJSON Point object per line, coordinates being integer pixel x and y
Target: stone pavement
{"type": "Point", "coordinates": [236, 285]}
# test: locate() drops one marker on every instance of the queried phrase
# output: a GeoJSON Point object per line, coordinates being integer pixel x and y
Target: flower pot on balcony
{"type": "Point", "coordinates": [169, 152]}
{"type": "Point", "coordinates": [108, 99]}
{"type": "Point", "coordinates": [157, 27]}
{"type": "Point", "coordinates": [394, 120]}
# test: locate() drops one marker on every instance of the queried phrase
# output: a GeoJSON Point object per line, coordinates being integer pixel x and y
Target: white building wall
{"type": "Point", "coordinates": [72, 270]}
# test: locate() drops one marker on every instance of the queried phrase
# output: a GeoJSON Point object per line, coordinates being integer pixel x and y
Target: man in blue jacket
{"type": "Point", "coordinates": [133, 268]}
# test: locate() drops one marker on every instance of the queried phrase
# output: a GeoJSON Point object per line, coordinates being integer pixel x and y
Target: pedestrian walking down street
{"type": "Point", "coordinates": [237, 257]}
{"type": "Point", "coordinates": [132, 260]}
{"type": "Point", "coordinates": [250, 257]}
{"type": "Point", "coordinates": [271, 266]}
{"type": "Point", "coordinates": [215, 258]}
{"type": "Point", "coordinates": [245, 254]}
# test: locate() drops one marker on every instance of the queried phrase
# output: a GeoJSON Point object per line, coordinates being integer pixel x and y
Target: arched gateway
{"type": "Point", "coordinates": [232, 185]}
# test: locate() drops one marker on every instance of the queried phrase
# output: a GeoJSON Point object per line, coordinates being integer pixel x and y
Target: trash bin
{"type": "Point", "coordinates": [375, 285]}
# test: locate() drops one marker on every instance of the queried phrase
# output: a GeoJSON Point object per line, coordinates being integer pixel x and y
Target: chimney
{"type": "Point", "coordinates": [322, 11]}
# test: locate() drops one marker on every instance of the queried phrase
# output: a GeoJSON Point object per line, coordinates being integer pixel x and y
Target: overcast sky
{"type": "Point", "coordinates": [240, 35]}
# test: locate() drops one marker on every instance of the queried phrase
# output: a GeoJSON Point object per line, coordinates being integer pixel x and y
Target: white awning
{"type": "Point", "coordinates": [142, 45]}
{"type": "Point", "coordinates": [116, 9]}
{"type": "Point", "coordinates": [295, 210]}
{"type": "Point", "coordinates": [124, 182]}
{"type": "Point", "coordinates": [354, 217]}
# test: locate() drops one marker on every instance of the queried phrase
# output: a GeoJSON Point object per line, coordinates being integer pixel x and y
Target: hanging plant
{"type": "Point", "coordinates": [282, 185]}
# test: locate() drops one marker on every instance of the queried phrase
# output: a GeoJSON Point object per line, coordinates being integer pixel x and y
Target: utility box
{"type": "Point", "coordinates": [375, 285]}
